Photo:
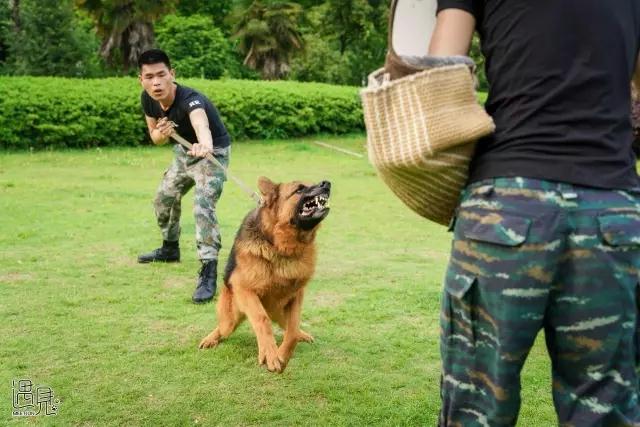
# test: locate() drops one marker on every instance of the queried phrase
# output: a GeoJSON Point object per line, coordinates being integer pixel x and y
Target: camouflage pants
{"type": "Point", "coordinates": [186, 172]}
{"type": "Point", "coordinates": [530, 254]}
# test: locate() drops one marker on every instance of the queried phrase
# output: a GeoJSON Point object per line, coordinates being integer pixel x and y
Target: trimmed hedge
{"type": "Point", "coordinates": [44, 112]}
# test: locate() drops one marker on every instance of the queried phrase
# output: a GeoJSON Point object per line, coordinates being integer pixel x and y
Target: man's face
{"type": "Point", "coordinates": [157, 80]}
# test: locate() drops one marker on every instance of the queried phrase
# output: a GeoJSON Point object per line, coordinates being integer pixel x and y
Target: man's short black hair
{"type": "Point", "coordinates": [153, 56]}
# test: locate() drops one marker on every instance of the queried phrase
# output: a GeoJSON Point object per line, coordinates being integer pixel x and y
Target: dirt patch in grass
{"type": "Point", "coordinates": [326, 299]}
{"type": "Point", "coordinates": [12, 277]}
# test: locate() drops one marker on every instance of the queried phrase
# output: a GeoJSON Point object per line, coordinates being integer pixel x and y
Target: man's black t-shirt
{"type": "Point", "coordinates": [186, 101]}
{"type": "Point", "coordinates": [559, 74]}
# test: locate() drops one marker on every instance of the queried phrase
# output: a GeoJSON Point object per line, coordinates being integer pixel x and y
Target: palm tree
{"type": "Point", "coordinates": [268, 36]}
{"type": "Point", "coordinates": [126, 26]}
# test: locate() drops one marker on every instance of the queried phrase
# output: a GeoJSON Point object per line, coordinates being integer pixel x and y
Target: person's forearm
{"type": "Point", "coordinates": [203, 133]}
{"type": "Point", "coordinates": [158, 138]}
{"type": "Point", "coordinates": [453, 33]}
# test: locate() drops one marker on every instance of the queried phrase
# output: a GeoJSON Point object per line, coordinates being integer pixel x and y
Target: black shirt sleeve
{"type": "Point", "coordinates": [467, 5]}
{"type": "Point", "coordinates": [193, 102]}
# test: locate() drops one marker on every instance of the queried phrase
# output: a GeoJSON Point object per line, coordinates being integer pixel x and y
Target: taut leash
{"type": "Point", "coordinates": [215, 161]}
{"type": "Point", "coordinates": [342, 150]}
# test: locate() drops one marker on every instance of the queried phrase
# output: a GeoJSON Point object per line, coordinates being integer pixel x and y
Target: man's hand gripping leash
{"type": "Point", "coordinates": [212, 159]}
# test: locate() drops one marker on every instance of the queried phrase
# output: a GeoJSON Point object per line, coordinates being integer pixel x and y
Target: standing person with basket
{"type": "Point", "coordinates": [166, 105]}
{"type": "Point", "coordinates": [548, 229]}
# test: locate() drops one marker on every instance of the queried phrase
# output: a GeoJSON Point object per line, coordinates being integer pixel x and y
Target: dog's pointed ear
{"type": "Point", "coordinates": [268, 189]}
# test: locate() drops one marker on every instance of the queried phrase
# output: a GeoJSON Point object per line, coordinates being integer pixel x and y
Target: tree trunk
{"type": "Point", "coordinates": [109, 45]}
{"type": "Point", "coordinates": [134, 40]}
{"type": "Point", "coordinates": [15, 15]}
{"type": "Point", "coordinates": [137, 38]}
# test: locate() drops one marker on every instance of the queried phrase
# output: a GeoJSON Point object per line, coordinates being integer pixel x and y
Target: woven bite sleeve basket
{"type": "Point", "coordinates": [421, 134]}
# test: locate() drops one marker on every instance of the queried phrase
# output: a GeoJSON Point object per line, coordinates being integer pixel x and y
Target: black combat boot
{"type": "Point", "coordinates": [169, 252]}
{"type": "Point", "coordinates": [206, 285]}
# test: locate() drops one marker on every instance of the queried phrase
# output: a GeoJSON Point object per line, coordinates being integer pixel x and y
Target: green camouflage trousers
{"type": "Point", "coordinates": [529, 255]}
{"type": "Point", "coordinates": [186, 172]}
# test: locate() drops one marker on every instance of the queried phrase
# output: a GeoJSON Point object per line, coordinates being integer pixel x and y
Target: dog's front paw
{"type": "Point", "coordinates": [305, 337]}
{"type": "Point", "coordinates": [269, 357]}
{"type": "Point", "coordinates": [209, 341]}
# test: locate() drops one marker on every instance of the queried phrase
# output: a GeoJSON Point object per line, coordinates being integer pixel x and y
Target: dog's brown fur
{"type": "Point", "coordinates": [270, 263]}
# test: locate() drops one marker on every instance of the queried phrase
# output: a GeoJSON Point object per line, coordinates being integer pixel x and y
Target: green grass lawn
{"type": "Point", "coordinates": [117, 341]}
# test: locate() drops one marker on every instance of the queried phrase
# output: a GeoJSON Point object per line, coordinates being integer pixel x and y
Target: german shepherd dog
{"type": "Point", "coordinates": [272, 259]}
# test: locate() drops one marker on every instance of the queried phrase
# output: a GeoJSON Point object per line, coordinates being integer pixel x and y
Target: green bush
{"type": "Point", "coordinates": [44, 112]}
{"type": "Point", "coordinates": [196, 47]}
{"type": "Point", "coordinates": [53, 40]}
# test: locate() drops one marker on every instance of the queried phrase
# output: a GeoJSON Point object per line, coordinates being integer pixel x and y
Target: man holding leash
{"type": "Point", "coordinates": [548, 230]}
{"type": "Point", "coordinates": [167, 106]}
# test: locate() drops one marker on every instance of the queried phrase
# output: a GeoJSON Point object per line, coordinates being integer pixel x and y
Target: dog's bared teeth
{"type": "Point", "coordinates": [313, 203]}
{"type": "Point", "coordinates": [309, 207]}
{"type": "Point", "coordinates": [321, 201]}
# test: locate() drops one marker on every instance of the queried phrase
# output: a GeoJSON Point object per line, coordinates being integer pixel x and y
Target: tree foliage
{"type": "Point", "coordinates": [126, 26]}
{"type": "Point", "coordinates": [347, 21]}
{"type": "Point", "coordinates": [476, 54]}
{"type": "Point", "coordinates": [330, 41]}
{"type": "Point", "coordinates": [196, 48]}
{"type": "Point", "coordinates": [5, 24]}
{"type": "Point", "coordinates": [50, 40]}
{"type": "Point", "coordinates": [268, 35]}
{"type": "Point", "coordinates": [217, 10]}
{"type": "Point", "coordinates": [347, 40]}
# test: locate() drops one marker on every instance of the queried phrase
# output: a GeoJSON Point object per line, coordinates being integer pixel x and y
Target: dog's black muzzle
{"type": "Point", "coordinates": [313, 206]}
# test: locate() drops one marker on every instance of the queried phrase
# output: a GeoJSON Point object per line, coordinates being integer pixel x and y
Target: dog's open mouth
{"type": "Point", "coordinates": [313, 206]}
